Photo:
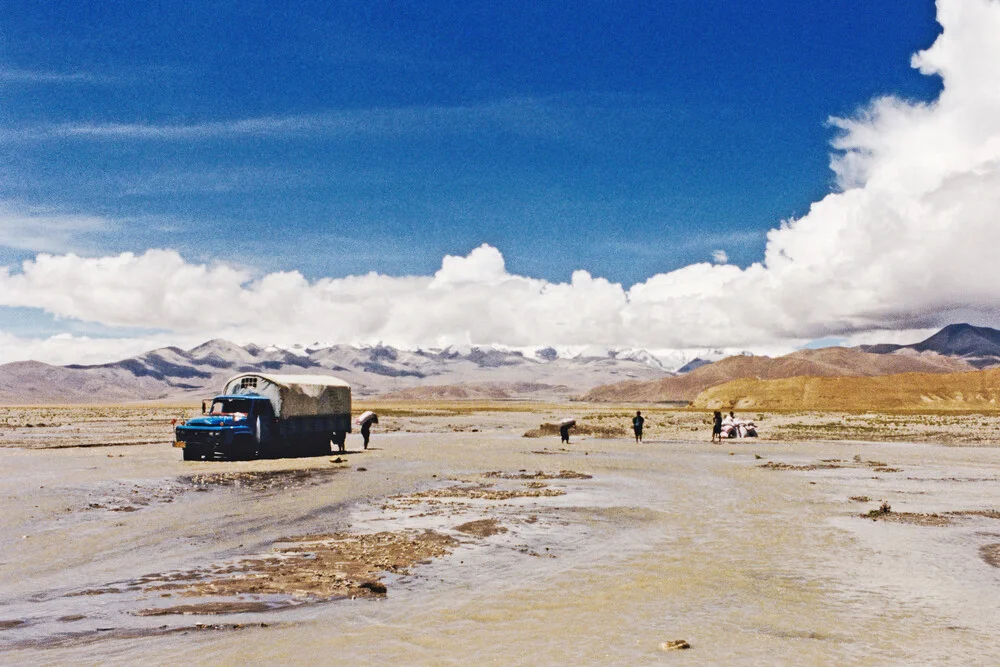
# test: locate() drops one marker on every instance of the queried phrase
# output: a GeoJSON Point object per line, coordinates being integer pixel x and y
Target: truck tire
{"type": "Point", "coordinates": [190, 455]}
{"type": "Point", "coordinates": [246, 449]}
{"type": "Point", "coordinates": [339, 438]}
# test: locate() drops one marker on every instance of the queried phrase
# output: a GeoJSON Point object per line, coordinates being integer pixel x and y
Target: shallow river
{"type": "Point", "coordinates": [666, 541]}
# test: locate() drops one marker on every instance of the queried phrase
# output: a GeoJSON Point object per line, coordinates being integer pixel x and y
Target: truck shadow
{"type": "Point", "coordinates": [286, 455]}
{"type": "Point", "coordinates": [260, 480]}
{"type": "Point", "coordinates": [218, 457]}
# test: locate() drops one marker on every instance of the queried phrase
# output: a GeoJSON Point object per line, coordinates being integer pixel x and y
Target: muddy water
{"type": "Point", "coordinates": [664, 541]}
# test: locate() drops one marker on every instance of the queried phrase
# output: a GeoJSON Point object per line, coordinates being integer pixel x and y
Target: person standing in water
{"type": "Point", "coordinates": [637, 423]}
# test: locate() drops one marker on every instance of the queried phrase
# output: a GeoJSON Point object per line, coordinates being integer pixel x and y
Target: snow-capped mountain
{"type": "Point", "coordinates": [375, 369]}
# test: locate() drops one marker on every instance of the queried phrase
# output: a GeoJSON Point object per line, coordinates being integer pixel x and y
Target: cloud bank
{"type": "Point", "coordinates": [909, 241]}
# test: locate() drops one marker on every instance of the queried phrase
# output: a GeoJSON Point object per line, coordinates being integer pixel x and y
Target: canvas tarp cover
{"type": "Point", "coordinates": [295, 395]}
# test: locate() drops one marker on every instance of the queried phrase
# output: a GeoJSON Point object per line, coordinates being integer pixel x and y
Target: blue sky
{"type": "Point", "coordinates": [672, 176]}
{"type": "Point", "coordinates": [626, 139]}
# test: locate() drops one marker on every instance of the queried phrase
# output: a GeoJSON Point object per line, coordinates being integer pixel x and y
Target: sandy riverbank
{"type": "Point", "coordinates": [457, 540]}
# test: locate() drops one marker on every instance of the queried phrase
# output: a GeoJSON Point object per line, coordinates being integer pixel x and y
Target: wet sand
{"type": "Point", "coordinates": [448, 545]}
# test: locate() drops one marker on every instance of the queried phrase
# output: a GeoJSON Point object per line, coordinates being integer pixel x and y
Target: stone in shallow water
{"type": "Point", "coordinates": [674, 645]}
{"type": "Point", "coordinates": [376, 587]}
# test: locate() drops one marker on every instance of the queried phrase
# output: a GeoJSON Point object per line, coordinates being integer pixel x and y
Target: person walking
{"type": "Point", "coordinates": [366, 432]}
{"type": "Point", "coordinates": [367, 420]}
{"type": "Point", "coordinates": [564, 431]}
{"type": "Point", "coordinates": [637, 423]}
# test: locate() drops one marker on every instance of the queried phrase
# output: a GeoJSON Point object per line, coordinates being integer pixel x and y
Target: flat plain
{"type": "Point", "coordinates": [48, 427]}
{"type": "Point", "coordinates": [469, 532]}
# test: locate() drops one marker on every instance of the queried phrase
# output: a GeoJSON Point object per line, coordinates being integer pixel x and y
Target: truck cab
{"type": "Point", "coordinates": [231, 427]}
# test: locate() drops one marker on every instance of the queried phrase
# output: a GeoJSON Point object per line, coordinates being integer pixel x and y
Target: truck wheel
{"type": "Point", "coordinates": [246, 449]}
{"type": "Point", "coordinates": [339, 439]}
{"type": "Point", "coordinates": [189, 454]}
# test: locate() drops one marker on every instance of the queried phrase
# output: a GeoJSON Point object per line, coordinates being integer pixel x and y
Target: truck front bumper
{"type": "Point", "coordinates": [205, 442]}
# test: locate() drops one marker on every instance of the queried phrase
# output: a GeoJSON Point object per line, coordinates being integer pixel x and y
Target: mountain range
{"type": "Point", "coordinates": [171, 373]}
{"type": "Point", "coordinates": [956, 348]}
{"type": "Point", "coordinates": [595, 374]}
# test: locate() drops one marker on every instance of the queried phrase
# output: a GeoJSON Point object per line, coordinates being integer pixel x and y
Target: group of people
{"type": "Point", "coordinates": [722, 427]}
{"type": "Point", "coordinates": [731, 427]}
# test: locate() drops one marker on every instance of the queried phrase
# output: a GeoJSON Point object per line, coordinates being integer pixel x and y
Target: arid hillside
{"type": "Point", "coordinates": [825, 362]}
{"type": "Point", "coordinates": [31, 382]}
{"type": "Point", "coordinates": [909, 391]}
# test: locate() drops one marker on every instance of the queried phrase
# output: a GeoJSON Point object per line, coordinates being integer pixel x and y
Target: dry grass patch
{"type": "Point", "coordinates": [312, 567]}
{"type": "Point", "coordinates": [771, 465]}
{"type": "Point", "coordinates": [522, 474]}
{"type": "Point", "coordinates": [481, 528]}
{"type": "Point", "coordinates": [990, 554]}
{"type": "Point", "coordinates": [484, 492]}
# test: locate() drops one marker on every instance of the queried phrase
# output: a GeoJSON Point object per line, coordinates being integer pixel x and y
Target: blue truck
{"type": "Point", "coordinates": [269, 415]}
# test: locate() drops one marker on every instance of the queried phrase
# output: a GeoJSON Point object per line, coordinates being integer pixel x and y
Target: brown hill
{"type": "Point", "coordinates": [909, 391]}
{"type": "Point", "coordinates": [32, 383]}
{"type": "Point", "coordinates": [825, 362]}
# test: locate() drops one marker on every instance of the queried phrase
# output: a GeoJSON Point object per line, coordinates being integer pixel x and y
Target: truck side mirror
{"type": "Point", "coordinates": [206, 404]}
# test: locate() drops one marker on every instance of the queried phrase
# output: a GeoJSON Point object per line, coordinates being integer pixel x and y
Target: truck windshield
{"type": "Point", "coordinates": [227, 406]}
